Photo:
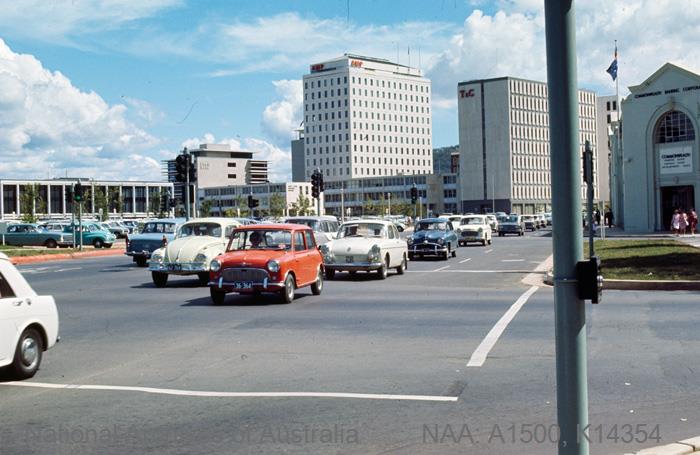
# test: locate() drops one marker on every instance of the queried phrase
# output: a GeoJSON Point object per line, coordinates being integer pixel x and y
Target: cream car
{"type": "Point", "coordinates": [366, 245]}
{"type": "Point", "coordinates": [196, 243]}
{"type": "Point", "coordinates": [474, 228]}
{"type": "Point", "coordinates": [28, 323]}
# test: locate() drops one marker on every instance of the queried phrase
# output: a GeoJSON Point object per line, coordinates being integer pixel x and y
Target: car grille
{"type": "Point", "coordinates": [252, 275]}
{"type": "Point", "coordinates": [469, 233]}
{"type": "Point", "coordinates": [426, 247]}
{"type": "Point", "coordinates": [145, 245]}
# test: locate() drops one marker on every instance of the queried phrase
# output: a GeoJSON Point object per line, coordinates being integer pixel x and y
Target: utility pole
{"type": "Point", "coordinates": [570, 312]}
{"type": "Point", "coordinates": [588, 178]}
{"type": "Point", "coordinates": [187, 183]}
{"type": "Point", "coordinates": [389, 198]}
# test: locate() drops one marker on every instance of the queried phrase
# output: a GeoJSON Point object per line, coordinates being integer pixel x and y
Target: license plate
{"type": "Point", "coordinates": [243, 285]}
{"type": "Point", "coordinates": [349, 259]}
{"type": "Point", "coordinates": [174, 267]}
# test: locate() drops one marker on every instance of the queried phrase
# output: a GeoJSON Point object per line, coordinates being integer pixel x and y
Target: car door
{"type": "Point", "coordinates": [9, 311]}
{"type": "Point", "coordinates": [311, 256]}
{"type": "Point", "coordinates": [298, 250]}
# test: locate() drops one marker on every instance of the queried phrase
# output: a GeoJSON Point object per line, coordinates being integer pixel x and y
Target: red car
{"type": "Point", "coordinates": [279, 258]}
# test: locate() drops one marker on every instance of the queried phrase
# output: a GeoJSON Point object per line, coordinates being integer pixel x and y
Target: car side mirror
{"type": "Point", "coordinates": [399, 228]}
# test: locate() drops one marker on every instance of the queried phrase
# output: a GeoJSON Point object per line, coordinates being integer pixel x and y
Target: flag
{"type": "Point", "coordinates": [612, 69]}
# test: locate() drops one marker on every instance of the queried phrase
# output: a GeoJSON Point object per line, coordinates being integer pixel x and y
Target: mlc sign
{"type": "Point", "coordinates": [466, 93]}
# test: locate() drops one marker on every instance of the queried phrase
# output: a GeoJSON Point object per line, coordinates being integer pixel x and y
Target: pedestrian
{"type": "Point", "coordinates": [683, 222]}
{"type": "Point", "coordinates": [693, 221]}
{"type": "Point", "coordinates": [609, 218]}
{"type": "Point", "coordinates": [676, 222]}
{"type": "Point", "coordinates": [597, 217]}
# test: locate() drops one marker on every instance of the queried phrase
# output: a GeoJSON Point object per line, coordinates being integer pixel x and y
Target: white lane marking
{"type": "Point", "coordinates": [68, 269]}
{"type": "Point", "coordinates": [440, 269]}
{"type": "Point", "coordinates": [465, 260]}
{"type": "Point", "coordinates": [201, 393]}
{"type": "Point", "coordinates": [512, 260]}
{"type": "Point", "coordinates": [488, 251]}
{"type": "Point", "coordinates": [471, 271]}
{"type": "Point", "coordinates": [482, 351]}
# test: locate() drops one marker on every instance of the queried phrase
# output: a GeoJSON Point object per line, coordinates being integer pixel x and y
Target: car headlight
{"type": "Point", "coordinates": [410, 240]}
{"type": "Point", "coordinates": [273, 266]}
{"type": "Point", "coordinates": [201, 257]}
{"type": "Point", "coordinates": [481, 230]}
{"type": "Point", "coordinates": [215, 265]}
{"type": "Point", "coordinates": [373, 254]}
{"type": "Point", "coordinates": [326, 253]}
{"type": "Point", "coordinates": [440, 241]}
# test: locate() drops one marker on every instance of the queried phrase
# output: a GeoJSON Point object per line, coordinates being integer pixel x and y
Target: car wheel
{"type": "Point", "coordinates": [460, 243]}
{"type": "Point", "coordinates": [330, 273]}
{"type": "Point", "coordinates": [160, 279]}
{"type": "Point", "coordinates": [317, 286]}
{"type": "Point", "coordinates": [447, 253]}
{"type": "Point", "coordinates": [383, 271]}
{"type": "Point", "coordinates": [411, 257]}
{"type": "Point", "coordinates": [203, 278]}
{"type": "Point", "coordinates": [483, 242]}
{"type": "Point", "coordinates": [140, 261]}
{"type": "Point", "coordinates": [454, 253]}
{"type": "Point", "coordinates": [108, 245]}
{"type": "Point", "coordinates": [489, 241]}
{"type": "Point", "coordinates": [50, 243]}
{"type": "Point", "coordinates": [521, 233]}
{"type": "Point", "coordinates": [27, 354]}
{"type": "Point", "coordinates": [217, 297]}
{"type": "Point", "coordinates": [97, 243]}
{"type": "Point", "coordinates": [288, 291]}
{"type": "Point", "coordinates": [401, 269]}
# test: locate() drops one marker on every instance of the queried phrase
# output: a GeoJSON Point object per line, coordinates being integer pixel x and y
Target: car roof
{"type": "Point", "coordinates": [434, 220]}
{"type": "Point", "coordinates": [312, 217]}
{"type": "Point", "coordinates": [370, 220]}
{"type": "Point", "coordinates": [277, 226]}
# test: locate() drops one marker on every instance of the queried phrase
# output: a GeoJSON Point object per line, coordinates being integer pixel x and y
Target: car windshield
{"type": "Point", "coordinates": [510, 219]}
{"type": "Point", "coordinates": [472, 220]}
{"type": "Point", "coordinates": [158, 228]}
{"type": "Point", "coordinates": [362, 230]}
{"type": "Point", "coordinates": [313, 224]}
{"type": "Point", "coordinates": [431, 226]}
{"type": "Point", "coordinates": [260, 239]}
{"type": "Point", "coordinates": [200, 229]}
{"type": "Point", "coordinates": [528, 217]}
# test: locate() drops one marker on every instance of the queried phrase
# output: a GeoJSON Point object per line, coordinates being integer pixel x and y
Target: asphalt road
{"type": "Point", "coordinates": [391, 355]}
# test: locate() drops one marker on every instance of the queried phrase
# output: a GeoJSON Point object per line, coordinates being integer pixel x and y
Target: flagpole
{"type": "Point", "coordinates": [619, 134]}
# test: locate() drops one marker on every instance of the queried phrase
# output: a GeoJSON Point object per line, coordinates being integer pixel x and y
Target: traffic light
{"type": "Point", "coordinates": [320, 182]}
{"type": "Point", "coordinates": [252, 202]}
{"type": "Point", "coordinates": [181, 168]}
{"type": "Point", "coordinates": [316, 182]}
{"type": "Point", "coordinates": [414, 194]}
{"type": "Point", "coordinates": [193, 169]}
{"type": "Point", "coordinates": [78, 192]}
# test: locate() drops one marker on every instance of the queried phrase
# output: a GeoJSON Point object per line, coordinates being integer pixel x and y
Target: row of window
{"type": "Point", "coordinates": [532, 192]}
{"type": "Point", "coordinates": [360, 126]}
{"type": "Point", "coordinates": [383, 182]}
{"type": "Point", "coordinates": [338, 171]}
{"type": "Point", "coordinates": [370, 149]}
{"type": "Point", "coordinates": [370, 160]}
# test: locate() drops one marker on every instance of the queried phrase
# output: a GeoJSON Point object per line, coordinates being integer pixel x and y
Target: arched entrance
{"type": "Point", "coordinates": [674, 146]}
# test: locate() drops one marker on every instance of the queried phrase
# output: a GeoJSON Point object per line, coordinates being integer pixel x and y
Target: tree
{"type": "Point", "coordinates": [205, 207]}
{"type": "Point", "coordinates": [229, 213]}
{"type": "Point", "coordinates": [116, 201]}
{"type": "Point", "coordinates": [369, 207]}
{"type": "Point", "coordinates": [301, 207]}
{"type": "Point", "coordinates": [102, 202]}
{"type": "Point", "coordinates": [241, 203]}
{"type": "Point", "coordinates": [29, 201]}
{"type": "Point", "coordinates": [277, 204]}
{"type": "Point", "coordinates": [154, 203]}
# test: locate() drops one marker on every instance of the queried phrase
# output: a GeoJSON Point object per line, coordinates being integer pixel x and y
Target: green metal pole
{"type": "Point", "coordinates": [570, 313]}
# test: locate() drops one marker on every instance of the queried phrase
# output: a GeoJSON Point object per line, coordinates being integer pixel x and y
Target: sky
{"type": "Point", "coordinates": [108, 88]}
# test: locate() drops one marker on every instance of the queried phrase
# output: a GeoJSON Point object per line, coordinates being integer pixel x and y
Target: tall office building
{"type": "Point", "coordinates": [366, 117]}
{"type": "Point", "coordinates": [504, 144]}
{"type": "Point", "coordinates": [607, 110]}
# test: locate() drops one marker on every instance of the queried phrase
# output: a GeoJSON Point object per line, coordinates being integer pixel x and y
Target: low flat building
{"type": "Point", "coordinates": [234, 199]}
{"type": "Point", "coordinates": [51, 198]}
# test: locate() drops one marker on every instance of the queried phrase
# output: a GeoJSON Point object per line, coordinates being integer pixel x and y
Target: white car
{"type": "Point", "coordinates": [28, 322]}
{"type": "Point", "coordinates": [366, 245]}
{"type": "Point", "coordinates": [474, 228]}
{"type": "Point", "coordinates": [196, 243]}
{"type": "Point", "coordinates": [324, 227]}
{"type": "Point", "coordinates": [493, 221]}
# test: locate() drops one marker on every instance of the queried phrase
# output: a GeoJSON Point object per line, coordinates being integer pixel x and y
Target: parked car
{"type": "Point", "coordinates": [28, 323]}
{"type": "Point", "coordinates": [475, 228]}
{"type": "Point", "coordinates": [54, 226]}
{"type": "Point", "coordinates": [155, 234]}
{"type": "Point", "coordinates": [531, 224]}
{"type": "Point", "coordinates": [366, 245]}
{"type": "Point", "coordinates": [29, 234]}
{"type": "Point", "coordinates": [132, 225]}
{"type": "Point", "coordinates": [433, 237]}
{"type": "Point", "coordinates": [92, 234]}
{"type": "Point", "coordinates": [279, 258]}
{"type": "Point", "coordinates": [196, 243]}
{"type": "Point", "coordinates": [548, 218]}
{"type": "Point", "coordinates": [493, 222]}
{"type": "Point", "coordinates": [541, 222]}
{"type": "Point", "coordinates": [324, 227]}
{"type": "Point", "coordinates": [511, 224]}
{"type": "Point", "coordinates": [115, 228]}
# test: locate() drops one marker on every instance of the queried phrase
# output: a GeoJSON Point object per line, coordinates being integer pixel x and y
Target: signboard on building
{"type": "Point", "coordinates": [675, 160]}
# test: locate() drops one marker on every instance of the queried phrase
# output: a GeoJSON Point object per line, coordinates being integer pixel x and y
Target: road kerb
{"type": "Point", "coordinates": [17, 260]}
{"type": "Point", "coordinates": [675, 448]}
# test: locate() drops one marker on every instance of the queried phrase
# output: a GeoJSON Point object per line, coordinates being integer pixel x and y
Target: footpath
{"type": "Point", "coordinates": [63, 256]}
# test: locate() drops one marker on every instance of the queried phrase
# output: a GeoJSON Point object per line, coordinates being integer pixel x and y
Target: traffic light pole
{"type": "Point", "coordinates": [80, 224]}
{"type": "Point", "coordinates": [72, 212]}
{"type": "Point", "coordinates": [187, 183]}
{"type": "Point", "coordinates": [570, 312]}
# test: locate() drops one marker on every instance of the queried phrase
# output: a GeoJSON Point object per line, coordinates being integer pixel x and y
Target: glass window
{"type": "Point", "coordinates": [5, 288]}
{"type": "Point", "coordinates": [200, 229]}
{"type": "Point", "coordinates": [299, 241]}
{"type": "Point", "coordinates": [309, 239]}
{"type": "Point", "coordinates": [674, 126]}
{"type": "Point", "coordinates": [260, 239]}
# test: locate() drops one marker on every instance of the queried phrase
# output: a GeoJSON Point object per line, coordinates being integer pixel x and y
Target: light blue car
{"type": "Point", "coordinates": [154, 235]}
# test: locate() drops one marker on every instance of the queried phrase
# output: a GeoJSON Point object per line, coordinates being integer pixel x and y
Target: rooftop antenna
{"type": "Point", "coordinates": [409, 56]}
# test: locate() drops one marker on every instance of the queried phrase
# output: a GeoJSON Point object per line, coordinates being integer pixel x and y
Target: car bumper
{"type": "Point", "coordinates": [427, 249]}
{"type": "Point", "coordinates": [180, 268]}
{"type": "Point", "coordinates": [139, 254]}
{"type": "Point", "coordinates": [472, 237]}
{"type": "Point", "coordinates": [242, 287]}
{"type": "Point", "coordinates": [354, 266]}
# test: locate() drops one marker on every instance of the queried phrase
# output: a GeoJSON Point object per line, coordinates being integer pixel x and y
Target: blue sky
{"type": "Point", "coordinates": [107, 88]}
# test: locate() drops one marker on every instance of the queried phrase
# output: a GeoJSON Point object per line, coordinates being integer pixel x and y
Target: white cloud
{"type": "Point", "coordinates": [47, 126]}
{"type": "Point", "coordinates": [282, 117]}
{"type": "Point", "coordinates": [279, 159]}
{"type": "Point", "coordinates": [58, 20]}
